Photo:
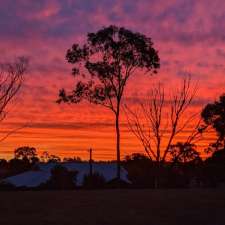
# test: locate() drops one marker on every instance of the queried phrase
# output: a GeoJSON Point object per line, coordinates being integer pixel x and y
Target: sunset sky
{"type": "Point", "coordinates": [189, 35]}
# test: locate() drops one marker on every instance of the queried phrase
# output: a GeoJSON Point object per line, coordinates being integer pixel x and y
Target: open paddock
{"type": "Point", "coordinates": [112, 207]}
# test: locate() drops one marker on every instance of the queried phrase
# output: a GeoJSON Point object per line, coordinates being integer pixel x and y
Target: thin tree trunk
{"type": "Point", "coordinates": [157, 163]}
{"type": "Point", "coordinates": [118, 144]}
{"type": "Point", "coordinates": [157, 171]}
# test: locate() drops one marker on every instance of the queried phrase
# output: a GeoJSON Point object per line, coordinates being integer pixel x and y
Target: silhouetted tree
{"type": "Point", "coordinates": [183, 153]}
{"type": "Point", "coordinates": [3, 163]}
{"type": "Point", "coordinates": [54, 159]}
{"type": "Point", "coordinates": [17, 166]}
{"type": "Point", "coordinates": [26, 153]}
{"type": "Point", "coordinates": [106, 62]}
{"type": "Point", "coordinates": [61, 178]}
{"type": "Point", "coordinates": [3, 168]}
{"type": "Point", "coordinates": [74, 159]}
{"type": "Point", "coordinates": [5, 186]}
{"type": "Point", "coordinates": [47, 158]}
{"type": "Point", "coordinates": [141, 170]}
{"type": "Point", "coordinates": [94, 180]}
{"type": "Point", "coordinates": [214, 168]}
{"type": "Point", "coordinates": [159, 120]}
{"type": "Point", "coordinates": [136, 157]}
{"type": "Point", "coordinates": [214, 115]}
{"type": "Point", "coordinates": [185, 165]}
{"type": "Point", "coordinates": [11, 79]}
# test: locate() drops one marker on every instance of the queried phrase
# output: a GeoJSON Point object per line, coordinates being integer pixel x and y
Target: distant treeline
{"type": "Point", "coordinates": [142, 172]}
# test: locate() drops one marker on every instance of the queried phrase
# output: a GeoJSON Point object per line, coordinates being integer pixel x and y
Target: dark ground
{"type": "Point", "coordinates": [104, 207]}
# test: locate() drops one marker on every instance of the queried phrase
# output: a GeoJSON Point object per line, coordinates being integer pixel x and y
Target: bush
{"type": "Point", "coordinates": [5, 186]}
{"type": "Point", "coordinates": [61, 179]}
{"type": "Point", "coordinates": [95, 180]}
{"type": "Point", "coordinates": [141, 170]}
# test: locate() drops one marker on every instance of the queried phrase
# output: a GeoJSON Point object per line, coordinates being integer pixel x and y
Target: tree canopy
{"type": "Point", "coordinates": [214, 115]}
{"type": "Point", "coordinates": [108, 59]}
{"type": "Point", "coordinates": [26, 152]}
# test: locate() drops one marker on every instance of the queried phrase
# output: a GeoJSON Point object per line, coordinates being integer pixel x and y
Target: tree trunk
{"type": "Point", "coordinates": [157, 166]}
{"type": "Point", "coordinates": [118, 144]}
{"type": "Point", "coordinates": [157, 174]}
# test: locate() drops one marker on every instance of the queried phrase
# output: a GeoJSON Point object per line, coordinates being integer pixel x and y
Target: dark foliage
{"type": "Point", "coordinates": [140, 169]}
{"type": "Point", "coordinates": [54, 159]}
{"type": "Point", "coordinates": [214, 169]}
{"type": "Point", "coordinates": [183, 152]}
{"type": "Point", "coordinates": [16, 166]}
{"type": "Point", "coordinates": [117, 183]}
{"type": "Point", "coordinates": [74, 159]}
{"type": "Point", "coordinates": [214, 115]}
{"type": "Point", "coordinates": [7, 186]}
{"type": "Point", "coordinates": [95, 180]}
{"type": "Point", "coordinates": [143, 172]}
{"type": "Point", "coordinates": [105, 63]}
{"type": "Point", "coordinates": [26, 153]}
{"type": "Point", "coordinates": [61, 178]}
{"type": "Point", "coordinates": [108, 57]}
{"type": "Point", "coordinates": [49, 158]}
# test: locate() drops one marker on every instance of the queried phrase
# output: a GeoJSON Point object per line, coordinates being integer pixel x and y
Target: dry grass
{"type": "Point", "coordinates": [112, 207]}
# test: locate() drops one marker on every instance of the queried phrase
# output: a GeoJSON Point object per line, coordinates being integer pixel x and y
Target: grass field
{"type": "Point", "coordinates": [112, 207]}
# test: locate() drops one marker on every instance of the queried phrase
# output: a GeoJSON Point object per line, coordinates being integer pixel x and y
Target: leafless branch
{"type": "Point", "coordinates": [11, 79]}
{"type": "Point", "coordinates": [155, 121]}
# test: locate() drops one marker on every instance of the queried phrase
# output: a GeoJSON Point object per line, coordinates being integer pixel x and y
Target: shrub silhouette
{"type": "Point", "coordinates": [214, 169]}
{"type": "Point", "coordinates": [61, 178]}
{"type": "Point", "coordinates": [140, 170]}
{"type": "Point", "coordinates": [17, 166]}
{"type": "Point", "coordinates": [5, 186]}
{"type": "Point", "coordinates": [95, 180]}
{"type": "Point", "coordinates": [26, 153]}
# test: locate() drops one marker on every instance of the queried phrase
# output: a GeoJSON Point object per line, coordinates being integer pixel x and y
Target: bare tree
{"type": "Point", "coordinates": [11, 79]}
{"type": "Point", "coordinates": [157, 121]}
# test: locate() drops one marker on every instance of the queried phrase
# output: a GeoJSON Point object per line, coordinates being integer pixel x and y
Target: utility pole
{"type": "Point", "coordinates": [90, 163]}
